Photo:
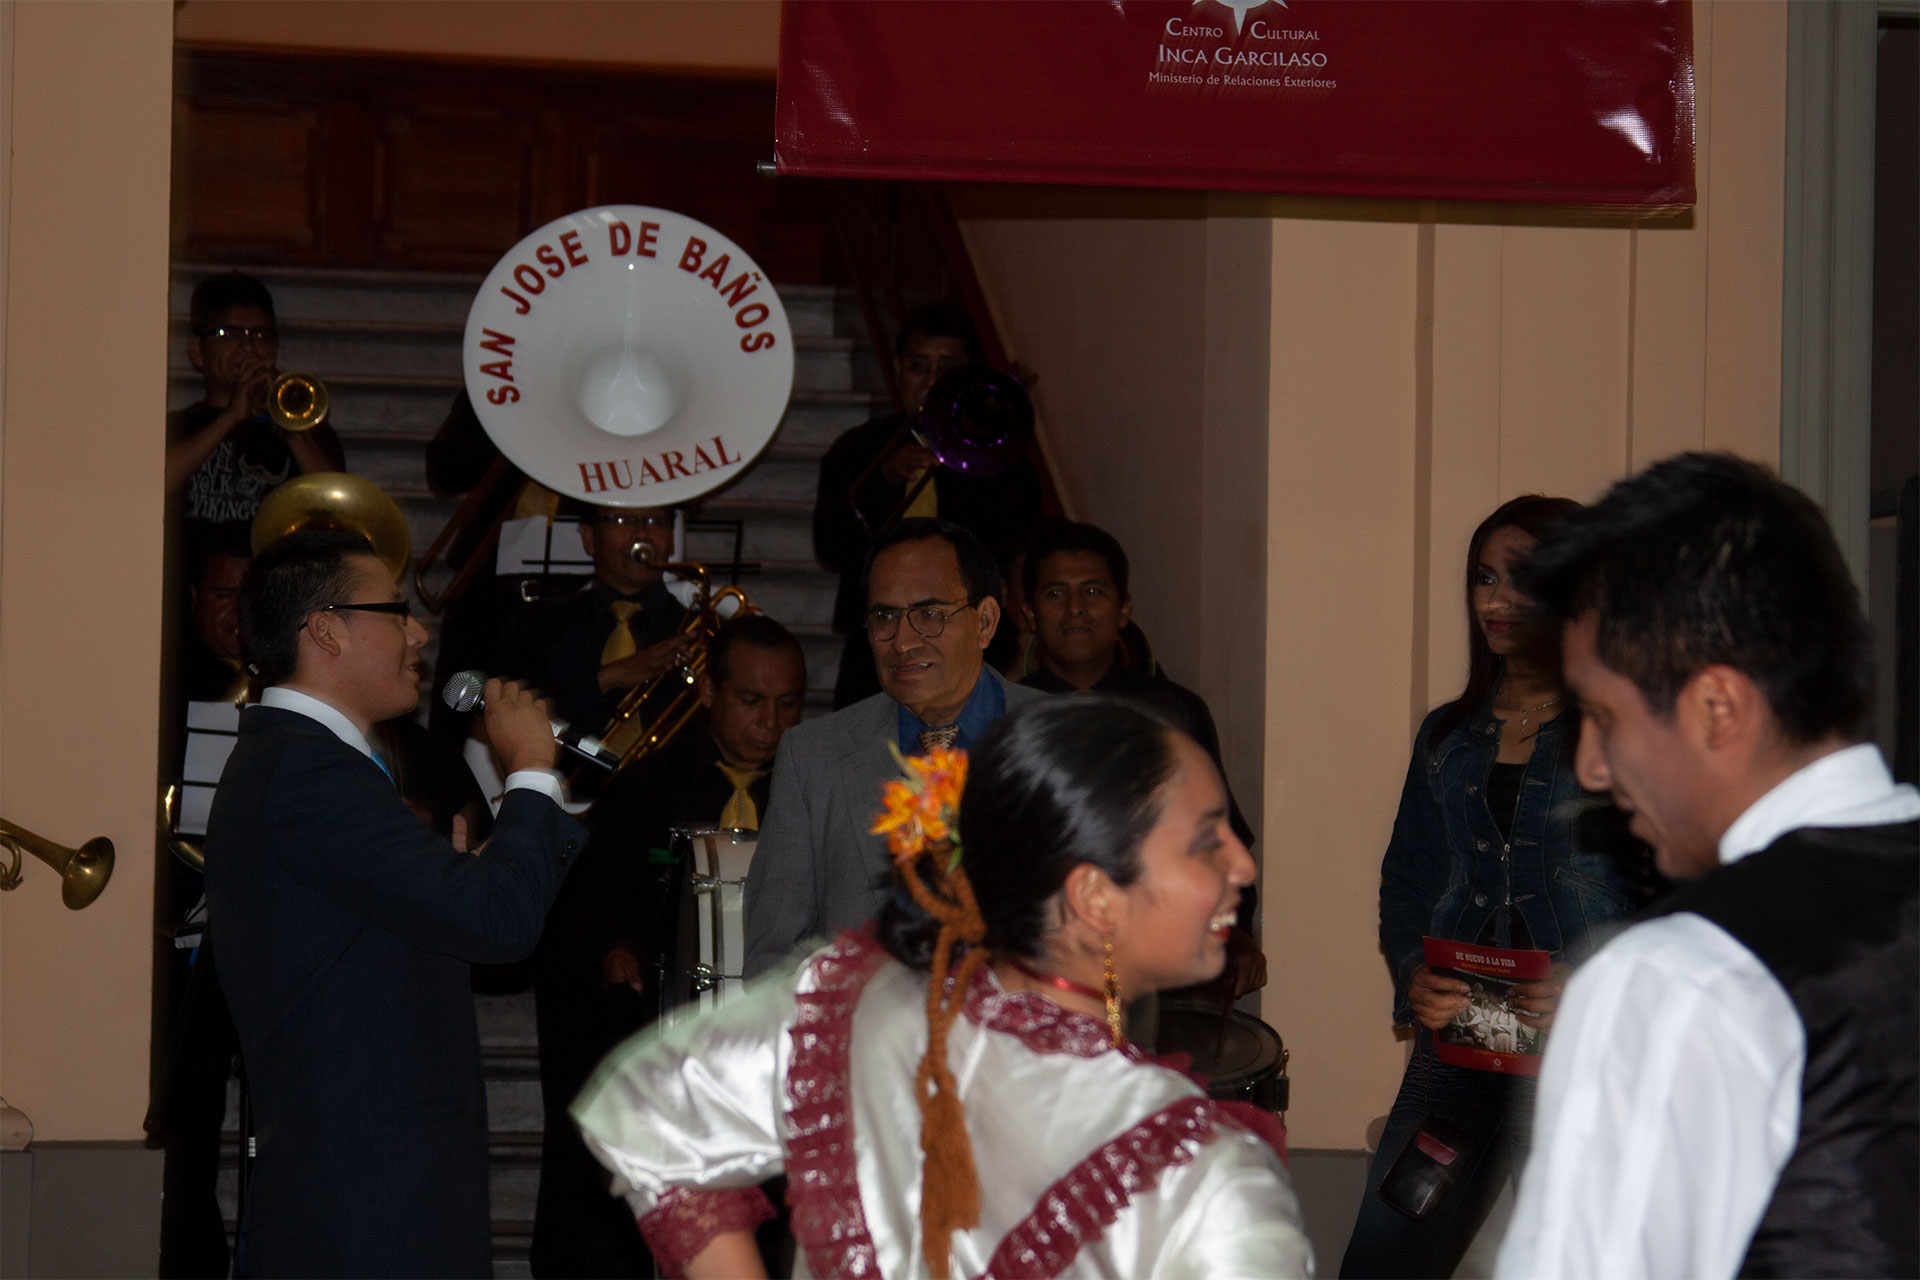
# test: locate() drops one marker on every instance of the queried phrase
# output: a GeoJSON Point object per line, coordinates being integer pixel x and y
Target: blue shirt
{"type": "Point", "coordinates": [987, 703]}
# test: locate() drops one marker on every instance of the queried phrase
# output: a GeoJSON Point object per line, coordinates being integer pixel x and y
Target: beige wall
{"type": "Point", "coordinates": [1421, 365]}
{"type": "Point", "coordinates": [717, 36]}
{"type": "Point", "coordinates": [85, 277]}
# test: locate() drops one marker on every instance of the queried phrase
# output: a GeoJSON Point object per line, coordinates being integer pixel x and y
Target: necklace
{"type": "Point", "coordinates": [1055, 980]}
{"type": "Point", "coordinates": [1554, 701]}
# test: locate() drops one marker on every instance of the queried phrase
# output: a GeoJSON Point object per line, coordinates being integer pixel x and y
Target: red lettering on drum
{"type": "Point", "coordinates": [648, 474]}
{"type": "Point", "coordinates": [502, 395]}
{"type": "Point", "coordinates": [520, 304]}
{"type": "Point", "coordinates": [696, 250]}
{"type": "Point", "coordinates": [649, 232]}
{"type": "Point", "coordinates": [756, 342]}
{"type": "Point", "coordinates": [721, 449]}
{"type": "Point", "coordinates": [570, 241]}
{"type": "Point", "coordinates": [746, 318]}
{"type": "Point", "coordinates": [671, 459]}
{"type": "Point", "coordinates": [701, 462]}
{"type": "Point", "coordinates": [734, 292]}
{"type": "Point", "coordinates": [718, 271]}
{"type": "Point", "coordinates": [500, 344]}
{"type": "Point", "coordinates": [619, 239]}
{"type": "Point", "coordinates": [529, 279]}
{"type": "Point", "coordinates": [596, 480]}
{"type": "Point", "coordinates": [551, 261]}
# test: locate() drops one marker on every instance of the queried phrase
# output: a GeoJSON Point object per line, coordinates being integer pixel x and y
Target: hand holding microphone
{"type": "Point", "coordinates": [523, 735]}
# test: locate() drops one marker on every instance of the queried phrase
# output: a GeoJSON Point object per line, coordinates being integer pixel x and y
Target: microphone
{"type": "Point", "coordinates": [466, 691]}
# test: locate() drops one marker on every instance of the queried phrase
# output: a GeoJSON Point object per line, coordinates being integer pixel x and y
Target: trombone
{"type": "Point", "coordinates": [628, 735]}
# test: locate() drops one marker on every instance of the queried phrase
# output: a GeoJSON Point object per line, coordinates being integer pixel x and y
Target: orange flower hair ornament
{"type": "Point", "coordinates": [922, 817]}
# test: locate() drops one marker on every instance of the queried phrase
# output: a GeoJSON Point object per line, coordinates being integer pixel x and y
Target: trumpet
{"type": "Point", "coordinates": [297, 402]}
{"type": "Point", "coordinates": [84, 872]}
{"type": "Point", "coordinates": [630, 737]}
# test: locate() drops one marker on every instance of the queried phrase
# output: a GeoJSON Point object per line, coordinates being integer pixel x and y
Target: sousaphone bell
{"type": "Point", "coordinates": [335, 500]}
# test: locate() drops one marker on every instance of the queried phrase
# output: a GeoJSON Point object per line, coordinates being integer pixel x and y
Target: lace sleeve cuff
{"type": "Point", "coordinates": [684, 1221]}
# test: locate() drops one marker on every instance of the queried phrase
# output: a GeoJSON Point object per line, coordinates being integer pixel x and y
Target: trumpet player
{"type": "Point", "coordinates": [222, 449]}
{"type": "Point", "coordinates": [586, 649]}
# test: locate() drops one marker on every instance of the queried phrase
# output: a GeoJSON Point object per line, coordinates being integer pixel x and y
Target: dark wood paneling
{"type": "Point", "coordinates": [361, 162]}
{"type": "Point", "coordinates": [276, 210]}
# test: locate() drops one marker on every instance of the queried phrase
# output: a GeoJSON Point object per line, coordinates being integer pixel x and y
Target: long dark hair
{"type": "Point", "coordinates": [1057, 783]}
{"type": "Point", "coordinates": [1538, 516]}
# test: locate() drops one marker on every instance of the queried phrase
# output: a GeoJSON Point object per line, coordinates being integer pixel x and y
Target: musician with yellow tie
{"type": "Point", "coordinates": [598, 963]}
{"type": "Point", "coordinates": [585, 649]}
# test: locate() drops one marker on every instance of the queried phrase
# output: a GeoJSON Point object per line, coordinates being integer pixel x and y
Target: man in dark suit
{"type": "Point", "coordinates": [933, 604]}
{"type": "Point", "coordinates": [345, 928]}
{"type": "Point", "coordinates": [599, 966]}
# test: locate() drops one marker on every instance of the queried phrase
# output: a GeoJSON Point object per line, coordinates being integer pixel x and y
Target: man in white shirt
{"type": "Point", "coordinates": [344, 929]}
{"type": "Point", "coordinates": [1731, 1086]}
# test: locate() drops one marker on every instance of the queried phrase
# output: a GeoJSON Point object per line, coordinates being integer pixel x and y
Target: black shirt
{"type": "Point", "coordinates": [1179, 705]}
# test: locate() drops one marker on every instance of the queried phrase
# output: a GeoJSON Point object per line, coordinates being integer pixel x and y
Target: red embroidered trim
{"type": "Point", "coordinates": [1079, 1208]}
{"type": "Point", "coordinates": [684, 1221]}
{"type": "Point", "coordinates": [823, 1188]}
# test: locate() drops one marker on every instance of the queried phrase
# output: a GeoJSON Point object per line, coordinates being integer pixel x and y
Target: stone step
{"type": "Point", "coordinates": [336, 348]}
{"type": "Point", "coordinates": [428, 297]}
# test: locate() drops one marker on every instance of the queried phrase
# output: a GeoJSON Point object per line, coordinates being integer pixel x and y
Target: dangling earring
{"type": "Point", "coordinates": [1113, 996]}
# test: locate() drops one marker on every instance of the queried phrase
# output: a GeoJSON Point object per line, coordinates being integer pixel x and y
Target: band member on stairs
{"type": "Point", "coordinates": [598, 969]}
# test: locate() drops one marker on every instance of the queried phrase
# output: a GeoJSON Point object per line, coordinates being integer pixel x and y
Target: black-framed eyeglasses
{"type": "Point", "coordinates": [927, 620]}
{"type": "Point", "coordinates": [262, 335]}
{"type": "Point", "coordinates": [399, 608]}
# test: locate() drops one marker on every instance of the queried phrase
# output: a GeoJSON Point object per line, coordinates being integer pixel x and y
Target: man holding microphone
{"type": "Point", "coordinates": [345, 929]}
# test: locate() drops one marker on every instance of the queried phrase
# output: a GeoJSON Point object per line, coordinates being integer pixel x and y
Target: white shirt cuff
{"type": "Point", "coordinates": [545, 781]}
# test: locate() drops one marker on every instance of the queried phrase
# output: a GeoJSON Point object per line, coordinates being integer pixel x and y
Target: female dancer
{"type": "Point", "coordinates": [957, 1096]}
{"type": "Point", "coordinates": [1487, 847]}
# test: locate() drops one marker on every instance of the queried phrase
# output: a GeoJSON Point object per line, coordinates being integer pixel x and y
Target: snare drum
{"type": "Point", "coordinates": [1241, 1056]}
{"type": "Point", "coordinates": [703, 965]}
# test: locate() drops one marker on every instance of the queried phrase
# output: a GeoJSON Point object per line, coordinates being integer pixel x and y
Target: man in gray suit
{"type": "Point", "coordinates": [933, 602]}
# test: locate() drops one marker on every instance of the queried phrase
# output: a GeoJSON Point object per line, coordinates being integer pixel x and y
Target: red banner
{"type": "Point", "coordinates": [1570, 102]}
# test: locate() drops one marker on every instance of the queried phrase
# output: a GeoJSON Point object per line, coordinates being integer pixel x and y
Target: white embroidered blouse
{"type": "Point", "coordinates": [1091, 1160]}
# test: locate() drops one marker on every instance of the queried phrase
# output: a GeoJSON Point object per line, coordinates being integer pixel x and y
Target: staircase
{"type": "Point", "coordinates": [387, 344]}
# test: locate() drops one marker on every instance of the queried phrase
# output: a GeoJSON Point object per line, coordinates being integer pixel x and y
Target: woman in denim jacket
{"type": "Point", "coordinates": [1489, 846]}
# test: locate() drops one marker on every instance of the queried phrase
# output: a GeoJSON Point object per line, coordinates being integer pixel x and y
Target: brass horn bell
{"type": "Point", "coordinates": [84, 872]}
{"type": "Point", "coordinates": [335, 500]}
{"type": "Point", "coordinates": [297, 402]}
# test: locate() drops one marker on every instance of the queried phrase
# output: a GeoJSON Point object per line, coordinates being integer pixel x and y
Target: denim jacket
{"type": "Point", "coordinates": [1447, 871]}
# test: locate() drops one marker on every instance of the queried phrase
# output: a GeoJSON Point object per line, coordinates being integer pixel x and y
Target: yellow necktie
{"type": "Point", "coordinates": [740, 810]}
{"type": "Point", "coordinates": [621, 644]}
{"type": "Point", "coordinates": [925, 503]}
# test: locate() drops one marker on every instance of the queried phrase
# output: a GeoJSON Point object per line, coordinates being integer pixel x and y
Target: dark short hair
{"type": "Point", "coordinates": [1053, 537]}
{"type": "Point", "coordinates": [1709, 559]}
{"type": "Point", "coordinates": [292, 578]}
{"type": "Point", "coordinates": [1058, 783]}
{"type": "Point", "coordinates": [977, 568]}
{"type": "Point", "coordinates": [217, 295]}
{"type": "Point", "coordinates": [939, 320]}
{"type": "Point", "coordinates": [232, 540]}
{"type": "Point", "coordinates": [756, 629]}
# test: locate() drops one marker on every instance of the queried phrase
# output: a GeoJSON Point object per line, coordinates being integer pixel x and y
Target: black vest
{"type": "Point", "coordinates": [1834, 914]}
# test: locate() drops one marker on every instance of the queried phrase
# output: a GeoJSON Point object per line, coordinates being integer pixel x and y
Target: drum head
{"type": "Point", "coordinates": [1231, 1058]}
